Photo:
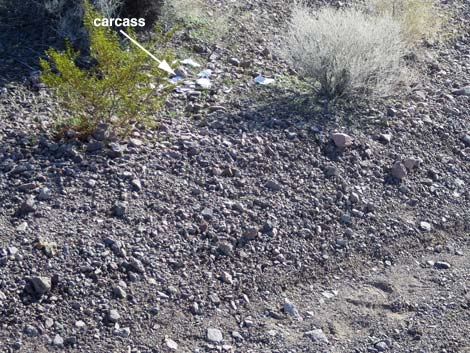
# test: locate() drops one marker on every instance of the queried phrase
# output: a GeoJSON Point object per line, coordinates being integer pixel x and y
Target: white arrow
{"type": "Point", "coordinates": [162, 64]}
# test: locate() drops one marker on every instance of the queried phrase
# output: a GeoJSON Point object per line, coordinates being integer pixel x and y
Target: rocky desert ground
{"type": "Point", "coordinates": [254, 219]}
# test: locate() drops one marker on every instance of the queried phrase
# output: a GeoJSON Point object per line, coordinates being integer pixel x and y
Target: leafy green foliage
{"type": "Point", "coordinates": [123, 88]}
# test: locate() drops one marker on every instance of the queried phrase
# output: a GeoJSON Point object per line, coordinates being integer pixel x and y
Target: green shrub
{"type": "Point", "coordinates": [123, 88]}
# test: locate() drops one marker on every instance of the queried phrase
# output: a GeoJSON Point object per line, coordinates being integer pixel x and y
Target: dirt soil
{"type": "Point", "coordinates": [241, 224]}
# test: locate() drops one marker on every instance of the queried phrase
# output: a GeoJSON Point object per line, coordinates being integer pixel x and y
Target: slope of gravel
{"type": "Point", "coordinates": [240, 225]}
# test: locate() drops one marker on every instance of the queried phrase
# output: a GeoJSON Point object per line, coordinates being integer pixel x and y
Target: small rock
{"type": "Point", "coordinates": [342, 140]}
{"type": "Point", "coordinates": [119, 209]}
{"type": "Point", "coordinates": [425, 226]}
{"type": "Point", "coordinates": [28, 206]}
{"type": "Point", "coordinates": [41, 285]}
{"type": "Point", "coordinates": [58, 341]}
{"type": "Point", "coordinates": [225, 248]}
{"type": "Point", "coordinates": [381, 346]}
{"type": "Point", "coordinates": [203, 83]}
{"type": "Point", "coordinates": [464, 91]}
{"type": "Point", "coordinates": [44, 194]}
{"type": "Point", "coordinates": [273, 186]}
{"type": "Point", "coordinates": [214, 335]}
{"type": "Point", "coordinates": [115, 150]}
{"type": "Point", "coordinates": [136, 265]}
{"type": "Point", "coordinates": [442, 265]}
{"type": "Point", "coordinates": [290, 309]}
{"type": "Point", "coordinates": [136, 184]}
{"type": "Point", "coordinates": [31, 331]}
{"type": "Point", "coordinates": [119, 292]}
{"type": "Point", "coordinates": [226, 277]}
{"type": "Point", "coordinates": [466, 140]}
{"type": "Point", "coordinates": [385, 138]}
{"type": "Point", "coordinates": [398, 170]}
{"type": "Point", "coordinates": [317, 335]}
{"type": "Point", "coordinates": [171, 344]}
{"type": "Point", "coordinates": [94, 146]}
{"type": "Point", "coordinates": [122, 332]}
{"type": "Point", "coordinates": [113, 316]}
{"type": "Point", "coordinates": [134, 142]}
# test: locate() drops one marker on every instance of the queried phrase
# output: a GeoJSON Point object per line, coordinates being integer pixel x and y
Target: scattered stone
{"type": "Point", "coordinates": [28, 206]}
{"type": "Point", "coordinates": [398, 170]}
{"type": "Point", "coordinates": [49, 248]}
{"type": "Point", "coordinates": [119, 292]}
{"type": "Point", "coordinates": [44, 194]}
{"type": "Point", "coordinates": [94, 146]}
{"type": "Point", "coordinates": [464, 91]}
{"type": "Point", "coordinates": [214, 335]}
{"type": "Point", "coordinates": [225, 248]}
{"type": "Point", "coordinates": [31, 331]}
{"type": "Point", "coordinates": [342, 140]}
{"type": "Point", "coordinates": [136, 184]}
{"type": "Point", "coordinates": [412, 163]}
{"type": "Point", "coordinates": [331, 171]}
{"type": "Point", "coordinates": [58, 341]}
{"type": "Point", "coordinates": [119, 209]}
{"type": "Point", "coordinates": [122, 332]}
{"type": "Point", "coordinates": [273, 186]}
{"type": "Point", "coordinates": [381, 346]}
{"type": "Point", "coordinates": [385, 138]}
{"type": "Point", "coordinates": [41, 285]}
{"type": "Point", "coordinates": [425, 226]}
{"type": "Point", "coordinates": [113, 316]}
{"type": "Point", "coordinates": [135, 142]}
{"type": "Point", "coordinates": [290, 309]}
{"type": "Point", "coordinates": [136, 265]}
{"type": "Point", "coordinates": [317, 335]}
{"type": "Point", "coordinates": [115, 150]}
{"type": "Point", "coordinates": [171, 344]}
{"type": "Point", "coordinates": [442, 265]}
{"type": "Point", "coordinates": [203, 83]}
{"type": "Point", "coordinates": [466, 140]}
{"type": "Point", "coordinates": [226, 277]}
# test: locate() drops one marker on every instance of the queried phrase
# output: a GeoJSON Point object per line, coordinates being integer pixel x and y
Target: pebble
{"type": "Point", "coordinates": [31, 331]}
{"type": "Point", "coordinates": [119, 209]}
{"type": "Point", "coordinates": [273, 185]}
{"type": "Point", "coordinates": [171, 344]}
{"type": "Point", "coordinates": [203, 83]}
{"type": "Point", "coordinates": [225, 248]}
{"type": "Point", "coordinates": [44, 194]}
{"type": "Point", "coordinates": [28, 206]}
{"type": "Point", "coordinates": [381, 346]}
{"type": "Point", "coordinates": [442, 265]}
{"type": "Point", "coordinates": [58, 341]}
{"type": "Point", "coordinates": [214, 335]}
{"type": "Point", "coordinates": [317, 335]}
{"type": "Point", "coordinates": [290, 309]}
{"type": "Point", "coordinates": [136, 184]}
{"type": "Point", "coordinates": [425, 226]}
{"type": "Point", "coordinates": [119, 292]}
{"type": "Point", "coordinates": [464, 91]}
{"type": "Point", "coordinates": [41, 285]}
{"type": "Point", "coordinates": [399, 170]}
{"type": "Point", "coordinates": [113, 316]}
{"type": "Point", "coordinates": [122, 332]}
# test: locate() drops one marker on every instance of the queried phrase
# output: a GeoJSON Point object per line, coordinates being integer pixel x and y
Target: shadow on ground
{"type": "Point", "coordinates": [25, 33]}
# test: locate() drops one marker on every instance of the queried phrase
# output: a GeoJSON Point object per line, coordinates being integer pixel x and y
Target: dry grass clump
{"type": "Point", "coordinates": [420, 19]}
{"type": "Point", "coordinates": [347, 51]}
{"type": "Point", "coordinates": [201, 22]}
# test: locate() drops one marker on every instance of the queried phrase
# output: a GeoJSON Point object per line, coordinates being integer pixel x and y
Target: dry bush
{"type": "Point", "coordinates": [67, 15]}
{"type": "Point", "coordinates": [200, 22]}
{"type": "Point", "coordinates": [347, 51]}
{"type": "Point", "coordinates": [420, 19]}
